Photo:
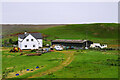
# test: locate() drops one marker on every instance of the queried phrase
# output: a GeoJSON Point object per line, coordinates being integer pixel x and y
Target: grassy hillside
{"type": "Point", "coordinates": [67, 63]}
{"type": "Point", "coordinates": [18, 28]}
{"type": "Point", "coordinates": [78, 31]}
{"type": "Point", "coordinates": [99, 32]}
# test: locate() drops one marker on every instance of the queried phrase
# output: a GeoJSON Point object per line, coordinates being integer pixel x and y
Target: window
{"type": "Point", "coordinates": [33, 45]}
{"type": "Point", "coordinates": [31, 39]}
{"type": "Point", "coordinates": [25, 45]}
{"type": "Point", "coordinates": [27, 39]}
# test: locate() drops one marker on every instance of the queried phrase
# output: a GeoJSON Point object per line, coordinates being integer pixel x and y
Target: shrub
{"type": "Point", "coordinates": [10, 41]}
{"type": "Point", "coordinates": [21, 54]}
{"type": "Point", "coordinates": [21, 70]}
{"type": "Point", "coordinates": [112, 62]}
{"type": "Point", "coordinates": [50, 74]}
{"type": "Point", "coordinates": [108, 49]}
{"type": "Point", "coordinates": [3, 72]}
{"type": "Point", "coordinates": [12, 70]}
{"type": "Point", "coordinates": [4, 76]}
{"type": "Point", "coordinates": [77, 51]}
{"type": "Point", "coordinates": [34, 50]}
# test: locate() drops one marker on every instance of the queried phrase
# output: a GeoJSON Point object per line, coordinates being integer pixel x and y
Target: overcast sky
{"type": "Point", "coordinates": [59, 12]}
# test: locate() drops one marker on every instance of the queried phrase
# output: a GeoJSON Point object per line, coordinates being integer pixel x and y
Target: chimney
{"type": "Point", "coordinates": [25, 32]}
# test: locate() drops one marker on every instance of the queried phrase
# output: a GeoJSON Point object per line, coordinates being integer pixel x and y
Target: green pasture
{"type": "Point", "coordinates": [15, 62]}
{"type": "Point", "coordinates": [89, 64]}
{"type": "Point", "coordinates": [78, 31]}
{"type": "Point", "coordinates": [98, 32]}
{"type": "Point", "coordinates": [103, 33]}
{"type": "Point", "coordinates": [86, 63]}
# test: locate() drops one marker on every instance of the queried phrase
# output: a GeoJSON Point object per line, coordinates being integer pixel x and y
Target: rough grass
{"type": "Point", "coordinates": [99, 32]}
{"type": "Point", "coordinates": [78, 31]}
{"type": "Point", "coordinates": [89, 64]}
{"type": "Point", "coordinates": [18, 28]}
{"type": "Point", "coordinates": [13, 61]}
{"type": "Point", "coordinates": [86, 64]}
{"type": "Point", "coordinates": [104, 33]}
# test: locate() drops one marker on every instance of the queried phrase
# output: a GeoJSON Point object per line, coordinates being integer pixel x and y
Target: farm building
{"type": "Point", "coordinates": [72, 43]}
{"type": "Point", "coordinates": [30, 41]}
{"type": "Point", "coordinates": [98, 45]}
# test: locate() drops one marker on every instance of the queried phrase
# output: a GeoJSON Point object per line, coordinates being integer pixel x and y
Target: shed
{"type": "Point", "coordinates": [73, 43]}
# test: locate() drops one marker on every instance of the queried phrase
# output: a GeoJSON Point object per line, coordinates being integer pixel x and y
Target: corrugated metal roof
{"type": "Point", "coordinates": [69, 41]}
{"type": "Point", "coordinates": [35, 35]}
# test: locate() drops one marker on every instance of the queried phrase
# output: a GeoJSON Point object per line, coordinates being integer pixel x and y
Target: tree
{"type": "Point", "coordinates": [10, 41]}
{"type": "Point", "coordinates": [16, 42]}
{"type": "Point", "coordinates": [5, 42]}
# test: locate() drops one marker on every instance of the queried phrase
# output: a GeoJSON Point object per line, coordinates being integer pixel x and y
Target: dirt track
{"type": "Point", "coordinates": [63, 64]}
{"type": "Point", "coordinates": [67, 61]}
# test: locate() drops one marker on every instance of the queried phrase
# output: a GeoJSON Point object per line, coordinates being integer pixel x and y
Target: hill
{"type": "Point", "coordinates": [17, 28]}
{"type": "Point", "coordinates": [78, 31]}
{"type": "Point", "coordinates": [72, 63]}
{"type": "Point", "coordinates": [98, 32]}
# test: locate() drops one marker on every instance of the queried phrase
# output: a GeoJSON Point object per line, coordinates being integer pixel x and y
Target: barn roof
{"type": "Point", "coordinates": [69, 41]}
{"type": "Point", "coordinates": [35, 35]}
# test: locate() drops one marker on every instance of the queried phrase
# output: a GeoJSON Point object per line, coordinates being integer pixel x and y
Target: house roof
{"type": "Point", "coordinates": [35, 35]}
{"type": "Point", "coordinates": [69, 41]}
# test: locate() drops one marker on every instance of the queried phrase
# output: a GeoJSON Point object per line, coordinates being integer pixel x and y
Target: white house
{"type": "Point", "coordinates": [30, 41]}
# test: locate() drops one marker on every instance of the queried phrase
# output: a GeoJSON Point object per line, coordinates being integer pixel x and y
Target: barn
{"type": "Point", "coordinates": [72, 43]}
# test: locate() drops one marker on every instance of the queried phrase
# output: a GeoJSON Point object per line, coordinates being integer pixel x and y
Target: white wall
{"type": "Point", "coordinates": [19, 42]}
{"type": "Point", "coordinates": [29, 43]}
{"type": "Point", "coordinates": [40, 42]}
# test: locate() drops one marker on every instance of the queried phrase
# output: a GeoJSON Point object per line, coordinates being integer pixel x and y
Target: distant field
{"type": "Point", "coordinates": [84, 31]}
{"type": "Point", "coordinates": [14, 28]}
{"type": "Point", "coordinates": [106, 33]}
{"type": "Point", "coordinates": [70, 31]}
{"type": "Point", "coordinates": [99, 32]}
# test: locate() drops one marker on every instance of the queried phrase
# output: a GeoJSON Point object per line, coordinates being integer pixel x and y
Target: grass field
{"type": "Point", "coordinates": [70, 63]}
{"type": "Point", "coordinates": [103, 33]}
{"type": "Point", "coordinates": [18, 28]}
{"type": "Point", "coordinates": [78, 31]}
{"type": "Point", "coordinates": [15, 62]}
{"type": "Point", "coordinates": [89, 64]}
{"type": "Point", "coordinates": [99, 32]}
{"type": "Point", "coordinates": [85, 64]}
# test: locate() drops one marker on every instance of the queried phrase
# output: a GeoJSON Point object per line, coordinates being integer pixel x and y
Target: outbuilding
{"type": "Point", "coordinates": [80, 44]}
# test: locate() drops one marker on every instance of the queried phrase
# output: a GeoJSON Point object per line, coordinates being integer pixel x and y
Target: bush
{"type": "Point", "coordinates": [108, 49]}
{"type": "Point", "coordinates": [101, 49]}
{"type": "Point", "coordinates": [10, 41]}
{"type": "Point", "coordinates": [12, 70]}
{"type": "Point", "coordinates": [77, 50]}
{"type": "Point", "coordinates": [21, 54]}
{"type": "Point", "coordinates": [112, 62]}
{"type": "Point", "coordinates": [33, 50]}
{"type": "Point", "coordinates": [4, 72]}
